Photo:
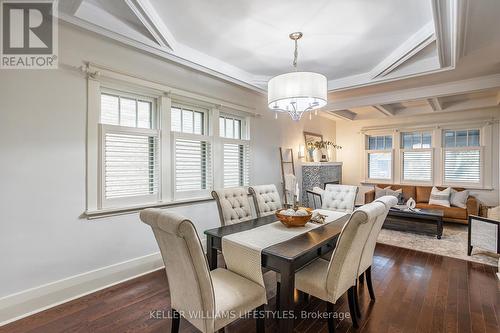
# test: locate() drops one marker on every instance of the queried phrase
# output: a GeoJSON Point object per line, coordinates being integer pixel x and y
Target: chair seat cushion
{"type": "Point", "coordinates": [312, 279]}
{"type": "Point", "coordinates": [449, 212]}
{"type": "Point", "coordinates": [234, 296]}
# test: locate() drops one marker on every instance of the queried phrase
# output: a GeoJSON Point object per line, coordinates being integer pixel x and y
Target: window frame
{"type": "Point", "coordinates": [186, 106]}
{"type": "Point", "coordinates": [369, 151]}
{"type": "Point", "coordinates": [480, 147]}
{"type": "Point", "coordinates": [243, 125]}
{"type": "Point", "coordinates": [402, 150]}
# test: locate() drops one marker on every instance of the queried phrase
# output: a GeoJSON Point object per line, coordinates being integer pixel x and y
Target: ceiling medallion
{"type": "Point", "coordinates": [297, 92]}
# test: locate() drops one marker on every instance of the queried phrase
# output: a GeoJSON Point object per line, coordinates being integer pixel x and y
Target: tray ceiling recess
{"type": "Point", "coordinates": [354, 43]}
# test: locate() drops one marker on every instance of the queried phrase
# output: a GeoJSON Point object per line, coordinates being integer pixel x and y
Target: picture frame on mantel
{"type": "Point", "coordinates": [311, 137]}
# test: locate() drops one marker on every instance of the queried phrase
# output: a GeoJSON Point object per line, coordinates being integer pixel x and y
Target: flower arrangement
{"type": "Point", "coordinates": [319, 147]}
{"type": "Point", "coordinates": [322, 145]}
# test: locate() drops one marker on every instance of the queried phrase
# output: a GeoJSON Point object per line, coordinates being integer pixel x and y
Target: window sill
{"type": "Point", "coordinates": [108, 212]}
{"type": "Point", "coordinates": [471, 187]}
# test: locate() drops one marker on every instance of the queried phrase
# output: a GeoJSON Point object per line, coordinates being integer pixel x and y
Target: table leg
{"type": "Point", "coordinates": [211, 254]}
{"type": "Point", "coordinates": [287, 286]}
{"type": "Point", "coordinates": [440, 228]}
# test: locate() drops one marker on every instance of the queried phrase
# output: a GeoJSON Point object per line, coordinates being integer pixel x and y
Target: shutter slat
{"type": "Point", "coordinates": [130, 165]}
{"type": "Point", "coordinates": [192, 165]}
{"type": "Point", "coordinates": [417, 165]}
{"type": "Point", "coordinates": [462, 166]}
{"type": "Point", "coordinates": [236, 164]}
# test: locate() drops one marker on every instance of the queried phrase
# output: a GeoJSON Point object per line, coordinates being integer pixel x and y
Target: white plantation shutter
{"type": "Point", "coordinates": [236, 163]}
{"type": "Point", "coordinates": [130, 165]}
{"type": "Point", "coordinates": [380, 165]}
{"type": "Point", "coordinates": [192, 165]}
{"type": "Point", "coordinates": [417, 165]}
{"type": "Point", "coordinates": [462, 166]}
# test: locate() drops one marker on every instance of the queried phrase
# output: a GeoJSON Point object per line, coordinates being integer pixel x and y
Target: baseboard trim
{"type": "Point", "coordinates": [19, 305]}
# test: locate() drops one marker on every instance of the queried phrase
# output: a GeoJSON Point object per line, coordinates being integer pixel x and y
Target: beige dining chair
{"type": "Point", "coordinates": [340, 198]}
{"type": "Point", "coordinates": [266, 199]}
{"type": "Point", "coordinates": [233, 205]}
{"type": "Point", "coordinates": [209, 300]}
{"type": "Point", "coordinates": [329, 280]}
{"type": "Point", "coordinates": [365, 264]}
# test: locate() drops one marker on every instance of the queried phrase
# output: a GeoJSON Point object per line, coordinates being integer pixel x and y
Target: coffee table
{"type": "Point", "coordinates": [415, 221]}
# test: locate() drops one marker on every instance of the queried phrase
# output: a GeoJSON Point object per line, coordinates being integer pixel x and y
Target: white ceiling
{"type": "Point", "coordinates": [341, 38]}
{"type": "Point", "coordinates": [364, 47]}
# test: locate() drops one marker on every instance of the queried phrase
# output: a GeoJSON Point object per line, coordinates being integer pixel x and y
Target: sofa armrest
{"type": "Point", "coordinates": [369, 196]}
{"type": "Point", "coordinates": [472, 206]}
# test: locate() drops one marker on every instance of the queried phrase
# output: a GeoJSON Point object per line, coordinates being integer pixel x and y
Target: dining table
{"type": "Point", "coordinates": [285, 257]}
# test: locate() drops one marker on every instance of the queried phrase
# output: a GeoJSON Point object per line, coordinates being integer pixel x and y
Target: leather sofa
{"type": "Point", "coordinates": [421, 195]}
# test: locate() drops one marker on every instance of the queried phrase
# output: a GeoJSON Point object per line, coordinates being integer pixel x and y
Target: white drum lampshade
{"type": "Point", "coordinates": [297, 92]}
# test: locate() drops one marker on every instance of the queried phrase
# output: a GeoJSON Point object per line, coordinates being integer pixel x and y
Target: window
{"type": "Point", "coordinates": [192, 152]}
{"type": "Point", "coordinates": [129, 150]}
{"type": "Point", "coordinates": [186, 119]}
{"type": "Point", "coordinates": [416, 156]}
{"type": "Point", "coordinates": [379, 157]}
{"type": "Point", "coordinates": [462, 156]}
{"type": "Point", "coordinates": [235, 151]}
{"type": "Point", "coordinates": [230, 127]}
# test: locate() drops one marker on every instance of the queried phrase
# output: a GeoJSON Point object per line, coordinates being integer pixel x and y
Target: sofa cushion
{"type": "Point", "coordinates": [423, 194]}
{"type": "Point", "coordinates": [408, 190]}
{"type": "Point", "coordinates": [449, 212]}
{"type": "Point", "coordinates": [441, 198]}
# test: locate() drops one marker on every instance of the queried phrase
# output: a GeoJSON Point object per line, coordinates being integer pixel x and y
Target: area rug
{"type": "Point", "coordinates": [452, 244]}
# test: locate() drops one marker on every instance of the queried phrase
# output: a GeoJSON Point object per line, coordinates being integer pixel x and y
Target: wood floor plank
{"type": "Point", "coordinates": [416, 292]}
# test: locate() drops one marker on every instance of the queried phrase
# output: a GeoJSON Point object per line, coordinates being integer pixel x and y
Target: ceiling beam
{"type": "Point", "coordinates": [409, 48]}
{"type": "Point", "coordinates": [435, 104]}
{"type": "Point", "coordinates": [344, 114]}
{"type": "Point", "coordinates": [146, 13]}
{"type": "Point", "coordinates": [444, 13]}
{"type": "Point", "coordinates": [436, 90]}
{"type": "Point", "coordinates": [465, 105]}
{"type": "Point", "coordinates": [385, 110]}
{"type": "Point", "coordinates": [498, 98]}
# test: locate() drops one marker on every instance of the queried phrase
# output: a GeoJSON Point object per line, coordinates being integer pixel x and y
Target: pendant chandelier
{"type": "Point", "coordinates": [296, 92]}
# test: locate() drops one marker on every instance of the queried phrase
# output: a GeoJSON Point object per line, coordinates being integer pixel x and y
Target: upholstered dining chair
{"type": "Point", "coordinates": [209, 300]}
{"type": "Point", "coordinates": [336, 197]}
{"type": "Point", "coordinates": [266, 199]}
{"type": "Point", "coordinates": [233, 205]}
{"type": "Point", "coordinates": [329, 280]}
{"type": "Point", "coordinates": [366, 261]}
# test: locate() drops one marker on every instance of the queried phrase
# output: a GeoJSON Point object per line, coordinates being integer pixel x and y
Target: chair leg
{"type": "Point", "coordinates": [469, 250]}
{"type": "Point", "coordinates": [176, 320]}
{"type": "Point", "coordinates": [352, 307]}
{"type": "Point", "coordinates": [330, 309]}
{"type": "Point", "coordinates": [369, 283]}
{"type": "Point", "coordinates": [362, 278]}
{"type": "Point", "coordinates": [260, 319]}
{"type": "Point", "coordinates": [356, 300]}
{"type": "Point", "coordinates": [278, 287]}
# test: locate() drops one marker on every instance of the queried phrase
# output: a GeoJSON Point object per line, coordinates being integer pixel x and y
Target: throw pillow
{"type": "Point", "coordinates": [441, 198]}
{"type": "Point", "coordinates": [380, 192]}
{"type": "Point", "coordinates": [396, 193]}
{"type": "Point", "coordinates": [459, 198]}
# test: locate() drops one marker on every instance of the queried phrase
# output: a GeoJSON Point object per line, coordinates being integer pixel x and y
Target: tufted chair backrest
{"type": "Point", "coordinates": [266, 198]}
{"type": "Point", "coordinates": [367, 255]}
{"type": "Point", "coordinates": [233, 205]}
{"type": "Point", "coordinates": [188, 275]}
{"type": "Point", "coordinates": [344, 264]}
{"type": "Point", "coordinates": [339, 197]}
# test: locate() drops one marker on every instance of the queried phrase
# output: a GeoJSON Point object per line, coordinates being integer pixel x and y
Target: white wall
{"type": "Point", "coordinates": [43, 236]}
{"type": "Point", "coordinates": [350, 138]}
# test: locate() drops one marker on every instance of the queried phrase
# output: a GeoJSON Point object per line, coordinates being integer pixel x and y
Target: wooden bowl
{"type": "Point", "coordinates": [294, 221]}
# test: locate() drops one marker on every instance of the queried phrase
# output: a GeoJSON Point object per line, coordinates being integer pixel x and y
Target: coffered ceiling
{"type": "Point", "coordinates": [357, 44]}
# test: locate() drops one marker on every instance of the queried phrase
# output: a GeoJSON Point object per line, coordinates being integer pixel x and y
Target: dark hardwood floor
{"type": "Point", "coordinates": [416, 292]}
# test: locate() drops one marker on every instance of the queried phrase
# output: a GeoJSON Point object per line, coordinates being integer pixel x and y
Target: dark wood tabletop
{"type": "Point", "coordinates": [285, 258]}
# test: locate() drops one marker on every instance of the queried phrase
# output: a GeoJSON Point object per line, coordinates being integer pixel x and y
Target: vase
{"type": "Point", "coordinates": [317, 155]}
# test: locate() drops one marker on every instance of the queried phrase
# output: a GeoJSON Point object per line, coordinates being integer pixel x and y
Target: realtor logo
{"type": "Point", "coordinates": [29, 34]}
